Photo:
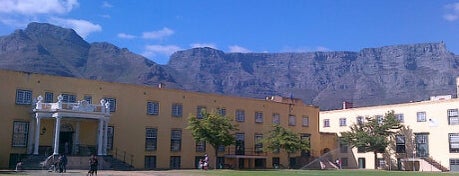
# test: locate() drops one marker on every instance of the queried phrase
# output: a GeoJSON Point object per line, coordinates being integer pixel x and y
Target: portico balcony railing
{"type": "Point", "coordinates": [80, 106]}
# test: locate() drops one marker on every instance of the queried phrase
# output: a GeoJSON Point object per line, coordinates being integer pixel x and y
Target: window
{"type": "Point", "coordinates": [49, 97]}
{"type": "Point", "coordinates": [359, 120]}
{"type": "Point", "coordinates": [258, 143]}
{"type": "Point", "coordinates": [110, 134]}
{"type": "Point", "coordinates": [20, 134]}
{"type": "Point", "coordinates": [112, 102]}
{"type": "Point", "coordinates": [453, 117]}
{"type": "Point", "coordinates": [276, 162]}
{"type": "Point", "coordinates": [175, 162]}
{"type": "Point", "coordinates": [400, 144]}
{"type": "Point", "coordinates": [200, 146]}
{"type": "Point", "coordinates": [454, 142]}
{"type": "Point", "coordinates": [380, 119]}
{"type": "Point", "coordinates": [326, 122]}
{"type": "Point", "coordinates": [150, 162]}
{"type": "Point", "coordinates": [68, 98]}
{"type": "Point", "coordinates": [177, 110]}
{"type": "Point", "coordinates": [306, 137]}
{"type": "Point", "coordinates": [400, 118]}
{"type": "Point", "coordinates": [176, 140]}
{"type": "Point", "coordinates": [342, 122]}
{"type": "Point", "coordinates": [88, 98]}
{"type": "Point", "coordinates": [199, 112]}
{"type": "Point", "coordinates": [305, 121]}
{"type": "Point", "coordinates": [151, 140]}
{"type": "Point", "coordinates": [381, 162]}
{"type": "Point", "coordinates": [259, 117]}
{"type": "Point", "coordinates": [421, 116]}
{"type": "Point", "coordinates": [221, 148]}
{"type": "Point", "coordinates": [23, 97]}
{"type": "Point", "coordinates": [343, 146]}
{"type": "Point", "coordinates": [153, 108]}
{"type": "Point", "coordinates": [344, 162]}
{"type": "Point", "coordinates": [291, 120]}
{"type": "Point", "coordinates": [240, 144]}
{"type": "Point", "coordinates": [240, 115]}
{"type": "Point", "coordinates": [276, 118]}
{"type": "Point", "coordinates": [222, 111]}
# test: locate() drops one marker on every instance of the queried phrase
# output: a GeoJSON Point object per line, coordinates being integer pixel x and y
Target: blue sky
{"type": "Point", "coordinates": [157, 28]}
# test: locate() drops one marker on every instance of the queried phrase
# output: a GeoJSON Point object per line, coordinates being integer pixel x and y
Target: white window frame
{"type": "Point", "coordinates": [153, 108]}
{"type": "Point", "coordinates": [240, 115]}
{"type": "Point", "coordinates": [305, 121]}
{"type": "Point", "coordinates": [342, 122]}
{"type": "Point", "coordinates": [276, 118]}
{"type": "Point", "coordinates": [421, 116]}
{"type": "Point", "coordinates": [20, 134]}
{"type": "Point", "coordinates": [23, 97]}
{"type": "Point", "coordinates": [177, 110]}
{"type": "Point", "coordinates": [151, 134]}
{"type": "Point", "coordinates": [291, 120]}
{"type": "Point", "coordinates": [258, 117]}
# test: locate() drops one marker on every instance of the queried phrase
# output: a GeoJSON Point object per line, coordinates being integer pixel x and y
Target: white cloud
{"type": "Point", "coordinates": [202, 45]}
{"type": "Point", "coordinates": [33, 7]}
{"type": "Point", "coordinates": [165, 32]}
{"type": "Point", "coordinates": [82, 27]}
{"type": "Point", "coordinates": [105, 4]}
{"type": "Point", "coordinates": [126, 36]}
{"type": "Point", "coordinates": [154, 50]}
{"type": "Point", "coordinates": [453, 12]}
{"type": "Point", "coordinates": [238, 49]}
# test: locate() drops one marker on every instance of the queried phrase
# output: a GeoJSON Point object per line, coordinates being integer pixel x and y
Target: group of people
{"type": "Point", "coordinates": [204, 163]}
{"type": "Point", "coordinates": [93, 163]}
{"type": "Point", "coordinates": [60, 164]}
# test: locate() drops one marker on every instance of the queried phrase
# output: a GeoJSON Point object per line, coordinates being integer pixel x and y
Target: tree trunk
{"type": "Point", "coordinates": [375, 153]}
{"type": "Point", "coordinates": [288, 159]}
{"type": "Point", "coordinates": [216, 156]}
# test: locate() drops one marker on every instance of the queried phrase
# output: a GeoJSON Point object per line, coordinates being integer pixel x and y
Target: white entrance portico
{"type": "Point", "coordinates": [79, 111]}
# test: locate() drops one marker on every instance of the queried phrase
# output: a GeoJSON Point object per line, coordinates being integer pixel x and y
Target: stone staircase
{"type": "Point", "coordinates": [116, 164]}
{"type": "Point", "coordinates": [434, 163]}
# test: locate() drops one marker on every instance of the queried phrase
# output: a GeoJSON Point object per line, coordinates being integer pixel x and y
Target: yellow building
{"type": "Point", "coordinates": [141, 125]}
{"type": "Point", "coordinates": [430, 141]}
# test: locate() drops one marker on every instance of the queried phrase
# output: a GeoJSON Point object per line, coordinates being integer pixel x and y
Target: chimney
{"type": "Point", "coordinates": [347, 105]}
{"type": "Point", "coordinates": [161, 85]}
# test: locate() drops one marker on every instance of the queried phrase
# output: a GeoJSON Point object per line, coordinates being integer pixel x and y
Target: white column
{"type": "Point", "coordinates": [56, 135]}
{"type": "Point", "coordinates": [76, 141]}
{"type": "Point", "coordinates": [37, 136]}
{"type": "Point", "coordinates": [99, 137]}
{"type": "Point", "coordinates": [105, 138]}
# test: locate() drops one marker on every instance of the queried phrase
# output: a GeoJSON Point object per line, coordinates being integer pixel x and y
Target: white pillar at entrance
{"type": "Point", "coordinates": [76, 141]}
{"type": "Point", "coordinates": [105, 138]}
{"type": "Point", "coordinates": [37, 136]}
{"type": "Point", "coordinates": [56, 135]}
{"type": "Point", "coordinates": [99, 137]}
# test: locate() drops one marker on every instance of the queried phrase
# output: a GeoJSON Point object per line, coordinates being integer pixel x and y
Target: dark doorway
{"type": "Point", "coordinates": [361, 163]}
{"type": "Point", "coordinates": [66, 142]}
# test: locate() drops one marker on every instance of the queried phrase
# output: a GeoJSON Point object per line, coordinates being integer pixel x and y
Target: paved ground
{"type": "Point", "coordinates": [107, 173]}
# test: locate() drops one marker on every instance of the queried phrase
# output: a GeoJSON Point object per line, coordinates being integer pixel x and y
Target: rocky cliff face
{"type": "Point", "coordinates": [372, 76]}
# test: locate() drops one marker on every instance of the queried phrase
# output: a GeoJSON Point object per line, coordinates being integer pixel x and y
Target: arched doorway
{"type": "Point", "coordinates": [66, 139]}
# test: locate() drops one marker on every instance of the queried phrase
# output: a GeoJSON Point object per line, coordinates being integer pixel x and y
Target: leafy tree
{"type": "Point", "coordinates": [373, 135]}
{"type": "Point", "coordinates": [281, 138]}
{"type": "Point", "coordinates": [212, 128]}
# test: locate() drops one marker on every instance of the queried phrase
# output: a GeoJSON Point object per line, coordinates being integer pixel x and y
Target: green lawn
{"type": "Point", "coordinates": [321, 173]}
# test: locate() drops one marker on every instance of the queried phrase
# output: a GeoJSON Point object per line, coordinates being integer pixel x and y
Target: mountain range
{"type": "Point", "coordinates": [371, 76]}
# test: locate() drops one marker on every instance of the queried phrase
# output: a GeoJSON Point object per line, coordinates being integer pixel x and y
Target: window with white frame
{"type": "Point", "coordinates": [112, 102]}
{"type": "Point", "coordinates": [400, 144]}
{"type": "Point", "coordinates": [153, 108]}
{"type": "Point", "coordinates": [222, 111]}
{"type": "Point", "coordinates": [49, 97]}
{"type": "Point", "coordinates": [421, 116]}
{"type": "Point", "coordinates": [342, 122]}
{"type": "Point", "coordinates": [400, 118]}
{"type": "Point", "coordinates": [200, 146]}
{"type": "Point", "coordinates": [20, 134]}
{"type": "Point", "coordinates": [199, 112]}
{"type": "Point", "coordinates": [110, 135]}
{"type": "Point", "coordinates": [259, 117]}
{"type": "Point", "coordinates": [176, 140]}
{"type": "Point", "coordinates": [88, 98]}
{"type": "Point", "coordinates": [177, 110]}
{"type": "Point", "coordinates": [258, 143]}
{"type": "Point", "coordinates": [68, 98]}
{"type": "Point", "coordinates": [305, 121]}
{"type": "Point", "coordinates": [453, 117]}
{"type": "Point", "coordinates": [326, 122]}
{"type": "Point", "coordinates": [151, 140]}
{"type": "Point", "coordinates": [276, 118]}
{"type": "Point", "coordinates": [240, 115]}
{"type": "Point", "coordinates": [23, 97]}
{"type": "Point", "coordinates": [453, 142]}
{"type": "Point", "coordinates": [359, 120]}
{"type": "Point", "coordinates": [291, 120]}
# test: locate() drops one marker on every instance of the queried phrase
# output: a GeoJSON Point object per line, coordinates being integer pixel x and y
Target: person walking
{"type": "Point", "coordinates": [64, 163]}
{"type": "Point", "coordinates": [93, 162]}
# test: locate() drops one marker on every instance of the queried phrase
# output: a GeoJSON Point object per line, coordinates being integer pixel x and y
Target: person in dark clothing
{"type": "Point", "coordinates": [93, 163]}
{"type": "Point", "coordinates": [63, 163]}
